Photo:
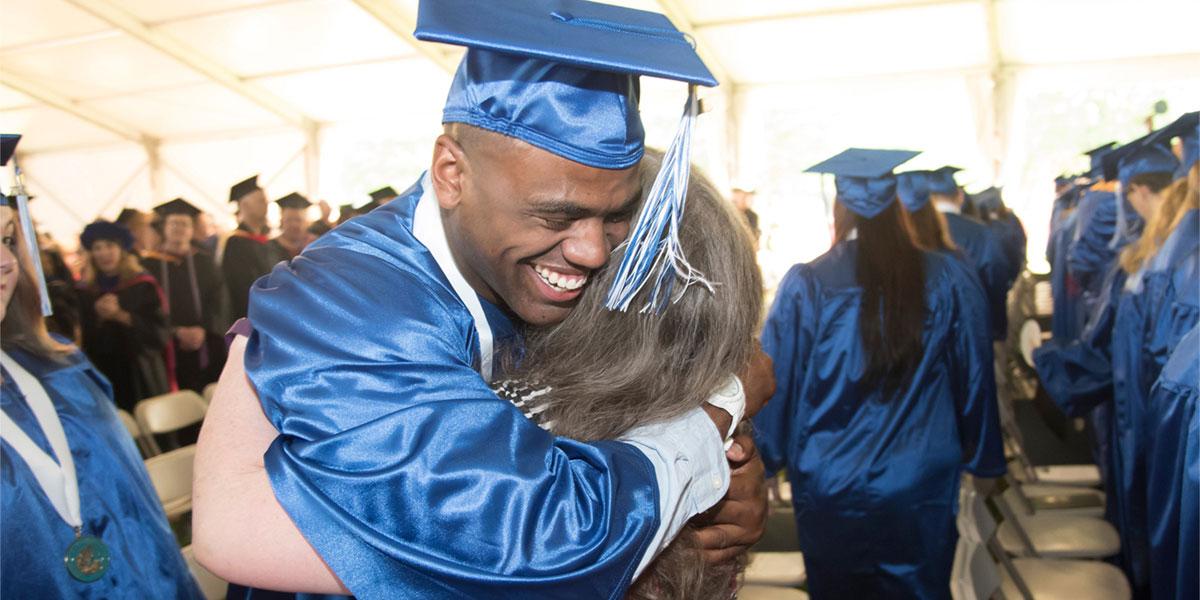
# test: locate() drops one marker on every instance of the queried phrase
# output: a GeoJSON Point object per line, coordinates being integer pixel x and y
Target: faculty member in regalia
{"type": "Point", "coordinates": [885, 392]}
{"type": "Point", "coordinates": [248, 252]}
{"type": "Point", "coordinates": [80, 516]}
{"type": "Point", "coordinates": [294, 226]}
{"type": "Point", "coordinates": [195, 294]}
{"type": "Point", "coordinates": [123, 317]}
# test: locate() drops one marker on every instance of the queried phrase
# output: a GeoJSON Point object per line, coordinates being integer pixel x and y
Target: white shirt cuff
{"type": "Point", "coordinates": [691, 469]}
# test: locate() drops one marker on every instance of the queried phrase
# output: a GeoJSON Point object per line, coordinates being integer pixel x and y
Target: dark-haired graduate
{"type": "Point", "coordinates": [295, 228]}
{"type": "Point", "coordinates": [195, 294]}
{"type": "Point", "coordinates": [885, 392]}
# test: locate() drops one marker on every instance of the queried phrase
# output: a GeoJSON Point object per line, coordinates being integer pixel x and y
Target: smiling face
{"type": "Point", "coordinates": [526, 227]}
{"type": "Point", "coordinates": [106, 256]}
{"type": "Point", "coordinates": [10, 269]}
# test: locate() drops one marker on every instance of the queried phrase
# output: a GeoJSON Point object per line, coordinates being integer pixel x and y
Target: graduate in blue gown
{"type": "Point", "coordinates": [1173, 456]}
{"type": "Point", "coordinates": [93, 528]}
{"type": "Point", "coordinates": [1067, 320]}
{"type": "Point", "coordinates": [978, 243]}
{"type": "Point", "coordinates": [874, 448]}
{"type": "Point", "coordinates": [370, 352]}
{"type": "Point", "coordinates": [1108, 366]}
{"type": "Point", "coordinates": [989, 207]}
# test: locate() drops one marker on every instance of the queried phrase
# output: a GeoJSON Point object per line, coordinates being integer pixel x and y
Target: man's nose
{"type": "Point", "coordinates": [587, 247]}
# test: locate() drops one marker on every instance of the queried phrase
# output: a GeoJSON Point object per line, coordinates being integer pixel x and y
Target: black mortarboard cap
{"type": "Point", "coordinates": [8, 146]}
{"type": "Point", "coordinates": [293, 200]}
{"type": "Point", "coordinates": [178, 206]}
{"type": "Point", "coordinates": [384, 193]}
{"type": "Point", "coordinates": [242, 188]}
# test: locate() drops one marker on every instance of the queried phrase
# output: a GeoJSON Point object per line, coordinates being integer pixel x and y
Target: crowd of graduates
{"type": "Point", "coordinates": [153, 293]}
{"type": "Point", "coordinates": [1124, 248]}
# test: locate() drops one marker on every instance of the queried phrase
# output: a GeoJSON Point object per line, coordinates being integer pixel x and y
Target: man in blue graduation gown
{"type": "Point", "coordinates": [979, 244]}
{"type": "Point", "coordinates": [390, 467]}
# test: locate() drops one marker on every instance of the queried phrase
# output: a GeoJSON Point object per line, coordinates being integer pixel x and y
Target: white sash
{"type": "Point", "coordinates": [427, 228]}
{"type": "Point", "coordinates": [57, 479]}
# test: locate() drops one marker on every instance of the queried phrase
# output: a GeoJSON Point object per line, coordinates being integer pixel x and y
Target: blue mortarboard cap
{"type": "Point", "coordinates": [106, 230]}
{"type": "Point", "coordinates": [863, 177]}
{"type": "Point", "coordinates": [988, 200]}
{"type": "Point", "coordinates": [8, 146]}
{"type": "Point", "coordinates": [1187, 129]}
{"type": "Point", "coordinates": [942, 183]}
{"type": "Point", "coordinates": [1097, 156]}
{"type": "Point", "coordinates": [1145, 158]}
{"type": "Point", "coordinates": [913, 189]}
{"type": "Point", "coordinates": [558, 74]}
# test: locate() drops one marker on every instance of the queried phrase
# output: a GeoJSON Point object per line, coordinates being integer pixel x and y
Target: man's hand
{"type": "Point", "coordinates": [758, 380]}
{"type": "Point", "coordinates": [739, 520]}
{"type": "Point", "coordinates": [190, 338]}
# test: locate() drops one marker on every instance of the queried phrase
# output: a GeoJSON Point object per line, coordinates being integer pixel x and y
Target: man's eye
{"type": "Point", "coordinates": [10, 241]}
{"type": "Point", "coordinates": [621, 217]}
{"type": "Point", "coordinates": [556, 224]}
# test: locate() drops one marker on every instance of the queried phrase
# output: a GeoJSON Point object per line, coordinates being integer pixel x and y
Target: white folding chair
{"type": "Point", "coordinates": [768, 592]}
{"type": "Point", "coordinates": [207, 394]}
{"type": "Point", "coordinates": [171, 474]}
{"type": "Point", "coordinates": [1054, 536]}
{"type": "Point", "coordinates": [213, 587]}
{"type": "Point", "coordinates": [135, 431]}
{"type": "Point", "coordinates": [1040, 498]}
{"type": "Point", "coordinates": [168, 413]}
{"type": "Point", "coordinates": [1028, 578]}
{"type": "Point", "coordinates": [776, 569]}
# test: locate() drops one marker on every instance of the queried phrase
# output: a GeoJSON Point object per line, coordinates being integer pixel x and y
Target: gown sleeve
{"type": "Point", "coordinates": [974, 380]}
{"type": "Point", "coordinates": [149, 325]}
{"type": "Point", "coordinates": [1078, 375]}
{"type": "Point", "coordinates": [994, 272]}
{"type": "Point", "coordinates": [401, 467]}
{"type": "Point", "coordinates": [786, 338]}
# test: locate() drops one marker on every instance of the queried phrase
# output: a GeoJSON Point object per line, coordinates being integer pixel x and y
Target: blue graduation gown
{"type": "Point", "coordinates": [1011, 234]}
{"type": "Point", "coordinates": [1097, 242]}
{"type": "Point", "coordinates": [395, 459]}
{"type": "Point", "coordinates": [983, 250]}
{"type": "Point", "coordinates": [1067, 320]}
{"type": "Point", "coordinates": [117, 501]}
{"type": "Point", "coordinates": [1173, 460]}
{"type": "Point", "coordinates": [875, 483]}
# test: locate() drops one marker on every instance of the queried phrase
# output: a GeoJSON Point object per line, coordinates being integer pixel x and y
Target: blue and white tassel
{"type": "Point", "coordinates": [31, 241]}
{"type": "Point", "coordinates": [653, 249]}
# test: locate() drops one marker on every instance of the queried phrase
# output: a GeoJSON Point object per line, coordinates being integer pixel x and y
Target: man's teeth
{"type": "Point", "coordinates": [560, 281]}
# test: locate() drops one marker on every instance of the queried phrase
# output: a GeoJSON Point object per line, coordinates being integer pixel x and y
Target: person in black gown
{"type": "Point", "coordinates": [123, 317]}
{"type": "Point", "coordinates": [295, 230]}
{"type": "Point", "coordinates": [248, 252]}
{"type": "Point", "coordinates": [195, 294]}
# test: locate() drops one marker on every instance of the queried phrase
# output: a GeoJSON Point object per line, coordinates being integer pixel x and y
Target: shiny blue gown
{"type": "Point", "coordinates": [117, 501]}
{"type": "Point", "coordinates": [1173, 459]}
{"type": "Point", "coordinates": [426, 485]}
{"type": "Point", "coordinates": [1011, 234]}
{"type": "Point", "coordinates": [1098, 241]}
{"type": "Point", "coordinates": [1139, 321]}
{"type": "Point", "coordinates": [875, 483]}
{"type": "Point", "coordinates": [1067, 320]}
{"type": "Point", "coordinates": [982, 249]}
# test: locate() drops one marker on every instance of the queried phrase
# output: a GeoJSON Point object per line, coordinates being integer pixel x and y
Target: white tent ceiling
{"type": "Point", "coordinates": [132, 102]}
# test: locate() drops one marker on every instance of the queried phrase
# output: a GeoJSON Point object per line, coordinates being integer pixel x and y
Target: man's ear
{"type": "Point", "coordinates": [448, 171]}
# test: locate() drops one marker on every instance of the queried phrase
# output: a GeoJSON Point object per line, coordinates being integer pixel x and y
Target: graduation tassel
{"type": "Point", "coordinates": [31, 241]}
{"type": "Point", "coordinates": [653, 249]}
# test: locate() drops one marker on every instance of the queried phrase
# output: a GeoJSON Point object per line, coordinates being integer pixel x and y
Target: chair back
{"type": "Point", "coordinates": [169, 412]}
{"type": "Point", "coordinates": [209, 391]}
{"type": "Point", "coordinates": [171, 474]}
{"type": "Point", "coordinates": [213, 587]}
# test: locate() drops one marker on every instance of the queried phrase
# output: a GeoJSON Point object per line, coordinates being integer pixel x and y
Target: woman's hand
{"type": "Point", "coordinates": [739, 520]}
{"type": "Point", "coordinates": [107, 307]}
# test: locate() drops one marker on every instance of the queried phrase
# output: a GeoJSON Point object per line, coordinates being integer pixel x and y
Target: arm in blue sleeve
{"type": "Point", "coordinates": [786, 338]}
{"type": "Point", "coordinates": [1078, 375]}
{"type": "Point", "coordinates": [994, 270]}
{"type": "Point", "coordinates": [400, 466]}
{"type": "Point", "coordinates": [974, 379]}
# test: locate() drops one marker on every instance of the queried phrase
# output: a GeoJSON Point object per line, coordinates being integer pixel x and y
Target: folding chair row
{"type": "Point", "coordinates": [171, 474]}
{"type": "Point", "coordinates": [167, 414]}
{"type": "Point", "coordinates": [977, 576]}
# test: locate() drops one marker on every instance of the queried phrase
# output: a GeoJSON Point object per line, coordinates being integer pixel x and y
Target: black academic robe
{"type": "Point", "coordinates": [196, 297]}
{"type": "Point", "coordinates": [60, 284]}
{"type": "Point", "coordinates": [247, 257]}
{"type": "Point", "coordinates": [286, 252]}
{"type": "Point", "coordinates": [133, 357]}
